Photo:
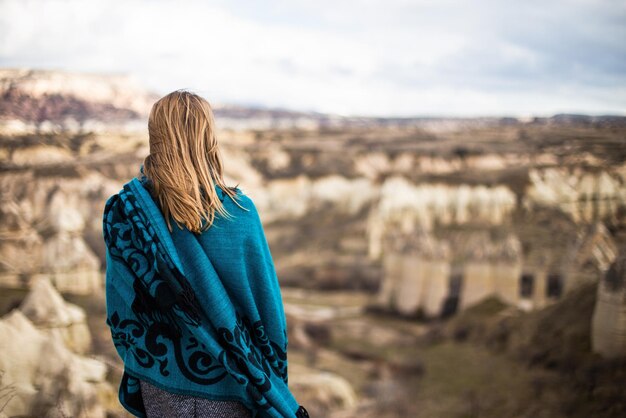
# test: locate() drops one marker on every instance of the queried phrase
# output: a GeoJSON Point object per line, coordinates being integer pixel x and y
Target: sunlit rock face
{"type": "Point", "coordinates": [47, 378]}
{"type": "Point", "coordinates": [295, 198]}
{"type": "Point", "coordinates": [416, 271]}
{"type": "Point", "coordinates": [322, 391]}
{"type": "Point", "coordinates": [425, 206]}
{"type": "Point", "coordinates": [585, 196]}
{"type": "Point", "coordinates": [45, 307]}
{"type": "Point", "coordinates": [470, 266]}
{"type": "Point", "coordinates": [419, 276]}
{"type": "Point", "coordinates": [608, 326]}
{"type": "Point", "coordinates": [50, 220]}
{"type": "Point", "coordinates": [492, 268]}
{"type": "Point", "coordinates": [529, 278]}
{"type": "Point", "coordinates": [595, 246]}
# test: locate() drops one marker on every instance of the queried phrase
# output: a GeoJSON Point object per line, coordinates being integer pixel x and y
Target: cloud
{"type": "Point", "coordinates": [374, 57]}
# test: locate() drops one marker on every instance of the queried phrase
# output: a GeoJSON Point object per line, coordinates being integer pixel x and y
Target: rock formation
{"type": "Point", "coordinates": [321, 391]}
{"type": "Point", "coordinates": [416, 274]}
{"type": "Point", "coordinates": [594, 245]}
{"type": "Point", "coordinates": [492, 269]}
{"type": "Point", "coordinates": [312, 184]}
{"type": "Point", "coordinates": [44, 227]}
{"type": "Point", "coordinates": [608, 326]}
{"type": "Point", "coordinates": [585, 196]}
{"type": "Point", "coordinates": [39, 359]}
{"type": "Point", "coordinates": [457, 210]}
{"type": "Point", "coordinates": [430, 206]}
{"type": "Point", "coordinates": [47, 310]}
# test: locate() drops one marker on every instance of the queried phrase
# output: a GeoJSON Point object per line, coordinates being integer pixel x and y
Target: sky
{"type": "Point", "coordinates": [352, 57]}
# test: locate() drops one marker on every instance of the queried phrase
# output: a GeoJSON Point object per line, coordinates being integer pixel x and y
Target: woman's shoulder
{"type": "Point", "coordinates": [241, 198]}
{"type": "Point", "coordinates": [238, 192]}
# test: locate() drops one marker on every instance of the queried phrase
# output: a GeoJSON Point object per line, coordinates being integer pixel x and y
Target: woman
{"type": "Point", "coordinates": [193, 301]}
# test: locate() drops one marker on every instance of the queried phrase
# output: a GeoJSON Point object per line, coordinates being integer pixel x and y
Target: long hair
{"type": "Point", "coordinates": [185, 163]}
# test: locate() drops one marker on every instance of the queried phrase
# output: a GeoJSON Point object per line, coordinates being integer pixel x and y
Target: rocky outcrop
{"type": "Point", "coordinates": [44, 227]}
{"type": "Point", "coordinates": [492, 268]}
{"type": "Point", "coordinates": [321, 391]}
{"type": "Point", "coordinates": [424, 206]}
{"type": "Point", "coordinates": [608, 326]}
{"type": "Point", "coordinates": [418, 273]}
{"type": "Point", "coordinates": [48, 379]}
{"type": "Point", "coordinates": [295, 198]}
{"type": "Point", "coordinates": [594, 246]}
{"type": "Point", "coordinates": [47, 310]}
{"type": "Point", "coordinates": [42, 359]}
{"type": "Point", "coordinates": [416, 270]}
{"type": "Point", "coordinates": [586, 196]}
{"type": "Point", "coordinates": [18, 239]}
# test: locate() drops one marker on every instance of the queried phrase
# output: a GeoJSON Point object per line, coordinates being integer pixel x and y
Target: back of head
{"type": "Point", "coordinates": [184, 164]}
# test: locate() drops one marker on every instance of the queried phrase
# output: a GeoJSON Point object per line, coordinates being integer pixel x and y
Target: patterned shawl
{"type": "Point", "coordinates": [195, 314]}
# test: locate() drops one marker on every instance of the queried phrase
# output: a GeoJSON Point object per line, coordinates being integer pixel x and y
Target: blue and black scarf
{"type": "Point", "coordinates": [195, 314]}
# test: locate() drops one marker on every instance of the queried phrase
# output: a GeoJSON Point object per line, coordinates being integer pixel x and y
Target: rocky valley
{"type": "Point", "coordinates": [425, 262]}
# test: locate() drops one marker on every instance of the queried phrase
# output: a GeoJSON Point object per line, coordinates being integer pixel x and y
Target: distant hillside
{"type": "Point", "coordinates": [34, 100]}
{"type": "Point", "coordinates": [55, 96]}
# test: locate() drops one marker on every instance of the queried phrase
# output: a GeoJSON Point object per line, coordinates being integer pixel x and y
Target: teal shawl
{"type": "Point", "coordinates": [195, 314]}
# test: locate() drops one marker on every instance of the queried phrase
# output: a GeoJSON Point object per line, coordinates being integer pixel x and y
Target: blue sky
{"type": "Point", "coordinates": [366, 57]}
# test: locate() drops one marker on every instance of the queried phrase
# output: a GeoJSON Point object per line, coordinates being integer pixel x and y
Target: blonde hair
{"type": "Point", "coordinates": [184, 163]}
